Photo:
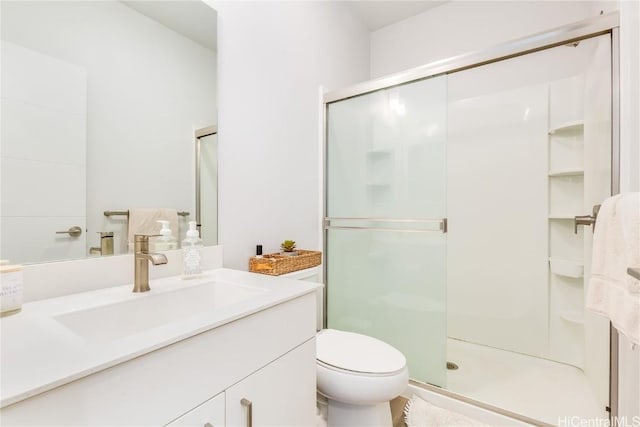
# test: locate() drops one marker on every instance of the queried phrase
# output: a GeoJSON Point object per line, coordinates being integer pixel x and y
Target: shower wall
{"type": "Point", "coordinates": [535, 132]}
{"type": "Point", "coordinates": [497, 245]}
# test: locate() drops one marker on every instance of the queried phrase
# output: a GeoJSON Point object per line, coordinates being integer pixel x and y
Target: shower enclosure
{"type": "Point", "coordinates": [459, 204]}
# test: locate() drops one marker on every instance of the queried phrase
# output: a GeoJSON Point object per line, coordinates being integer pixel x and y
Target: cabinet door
{"type": "Point", "coordinates": [209, 414]}
{"type": "Point", "coordinates": [282, 393]}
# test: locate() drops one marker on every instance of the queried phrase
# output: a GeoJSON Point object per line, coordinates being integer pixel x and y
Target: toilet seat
{"type": "Point", "coordinates": [353, 353]}
{"type": "Point", "coordinates": [360, 389]}
{"type": "Point", "coordinates": [356, 373]}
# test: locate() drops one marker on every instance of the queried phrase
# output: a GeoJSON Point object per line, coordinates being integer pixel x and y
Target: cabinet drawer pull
{"type": "Point", "coordinates": [249, 408]}
{"type": "Point", "coordinates": [208, 425]}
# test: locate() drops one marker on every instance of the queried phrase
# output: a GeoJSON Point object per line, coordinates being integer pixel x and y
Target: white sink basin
{"type": "Point", "coordinates": [150, 310]}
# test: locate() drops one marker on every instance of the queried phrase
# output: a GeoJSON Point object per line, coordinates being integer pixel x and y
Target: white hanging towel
{"type": "Point", "coordinates": [616, 246]}
{"type": "Point", "coordinates": [145, 221]}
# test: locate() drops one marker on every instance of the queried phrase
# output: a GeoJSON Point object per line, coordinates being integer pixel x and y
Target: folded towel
{"type": "Point", "coordinates": [144, 221]}
{"type": "Point", "coordinates": [616, 246]}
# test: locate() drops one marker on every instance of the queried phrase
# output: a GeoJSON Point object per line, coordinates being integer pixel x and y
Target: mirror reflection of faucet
{"type": "Point", "coordinates": [106, 244]}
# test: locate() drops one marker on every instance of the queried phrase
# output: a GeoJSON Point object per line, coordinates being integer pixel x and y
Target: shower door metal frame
{"type": "Point", "coordinates": [585, 29]}
{"type": "Point", "coordinates": [199, 134]}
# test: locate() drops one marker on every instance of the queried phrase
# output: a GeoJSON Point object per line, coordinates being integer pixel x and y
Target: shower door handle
{"type": "Point", "coordinates": [418, 225]}
{"type": "Point", "coordinates": [586, 219]}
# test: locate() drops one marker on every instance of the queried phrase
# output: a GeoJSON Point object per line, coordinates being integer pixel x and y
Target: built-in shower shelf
{"type": "Point", "coordinates": [566, 267]}
{"type": "Point", "coordinates": [572, 126]}
{"type": "Point", "coordinates": [566, 172]}
{"type": "Point", "coordinates": [573, 317]}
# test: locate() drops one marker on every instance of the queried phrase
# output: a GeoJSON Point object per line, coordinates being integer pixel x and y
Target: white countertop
{"type": "Point", "coordinates": [38, 353]}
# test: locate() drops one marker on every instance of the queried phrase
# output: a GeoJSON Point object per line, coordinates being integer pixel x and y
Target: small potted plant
{"type": "Point", "coordinates": [288, 247]}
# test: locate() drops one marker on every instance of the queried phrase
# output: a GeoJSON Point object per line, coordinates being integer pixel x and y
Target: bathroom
{"type": "Point", "coordinates": [270, 146]}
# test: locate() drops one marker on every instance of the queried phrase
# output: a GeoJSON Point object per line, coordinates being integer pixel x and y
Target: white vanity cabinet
{"type": "Point", "coordinates": [209, 414]}
{"type": "Point", "coordinates": [266, 398]}
{"type": "Point", "coordinates": [265, 355]}
{"type": "Point", "coordinates": [282, 393]}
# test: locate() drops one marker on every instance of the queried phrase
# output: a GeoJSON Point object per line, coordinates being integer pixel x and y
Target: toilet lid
{"type": "Point", "coordinates": [357, 353]}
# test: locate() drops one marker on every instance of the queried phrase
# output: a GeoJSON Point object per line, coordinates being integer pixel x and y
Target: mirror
{"type": "Point", "coordinates": [100, 104]}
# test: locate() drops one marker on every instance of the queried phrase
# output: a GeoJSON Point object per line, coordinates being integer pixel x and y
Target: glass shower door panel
{"type": "Point", "coordinates": [386, 199]}
{"type": "Point", "coordinates": [386, 153]}
{"type": "Point", "coordinates": [391, 285]}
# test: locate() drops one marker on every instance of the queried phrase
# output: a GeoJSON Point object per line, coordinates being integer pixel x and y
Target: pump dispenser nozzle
{"type": "Point", "coordinates": [192, 252]}
{"type": "Point", "coordinates": [164, 230]}
{"type": "Point", "coordinates": [193, 230]}
{"type": "Point", "coordinates": [166, 241]}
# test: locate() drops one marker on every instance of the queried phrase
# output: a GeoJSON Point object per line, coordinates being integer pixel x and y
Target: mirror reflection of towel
{"type": "Point", "coordinates": [144, 221]}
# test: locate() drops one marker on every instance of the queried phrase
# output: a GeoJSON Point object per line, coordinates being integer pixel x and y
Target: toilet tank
{"type": "Point", "coordinates": [313, 274]}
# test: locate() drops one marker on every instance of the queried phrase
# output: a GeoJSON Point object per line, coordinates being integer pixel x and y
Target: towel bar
{"type": "Point", "coordinates": [126, 213]}
{"type": "Point", "coordinates": [586, 219]}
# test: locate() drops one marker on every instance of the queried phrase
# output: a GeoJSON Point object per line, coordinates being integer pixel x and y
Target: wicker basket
{"type": "Point", "coordinates": [276, 264]}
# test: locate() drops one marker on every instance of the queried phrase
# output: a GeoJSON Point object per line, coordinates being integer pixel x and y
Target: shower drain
{"type": "Point", "coordinates": [451, 366]}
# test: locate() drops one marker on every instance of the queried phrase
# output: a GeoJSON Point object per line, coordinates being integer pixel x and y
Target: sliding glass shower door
{"type": "Point", "coordinates": [386, 220]}
{"type": "Point", "coordinates": [514, 154]}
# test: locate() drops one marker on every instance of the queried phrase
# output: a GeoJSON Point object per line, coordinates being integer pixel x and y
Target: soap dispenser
{"type": "Point", "coordinates": [191, 253]}
{"type": "Point", "coordinates": [166, 241]}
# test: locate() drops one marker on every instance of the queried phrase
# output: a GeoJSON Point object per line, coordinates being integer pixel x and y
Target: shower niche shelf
{"type": "Point", "coordinates": [572, 126]}
{"type": "Point", "coordinates": [566, 172]}
{"type": "Point", "coordinates": [566, 199]}
{"type": "Point", "coordinates": [379, 170]}
{"type": "Point", "coordinates": [567, 268]}
{"type": "Point", "coordinates": [572, 317]}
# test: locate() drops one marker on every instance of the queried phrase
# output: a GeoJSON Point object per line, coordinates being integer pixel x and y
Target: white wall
{"type": "Point", "coordinates": [459, 27]}
{"type": "Point", "coordinates": [148, 88]}
{"type": "Point", "coordinates": [272, 56]}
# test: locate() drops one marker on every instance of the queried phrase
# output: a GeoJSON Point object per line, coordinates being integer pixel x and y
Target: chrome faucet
{"type": "Point", "coordinates": [142, 258]}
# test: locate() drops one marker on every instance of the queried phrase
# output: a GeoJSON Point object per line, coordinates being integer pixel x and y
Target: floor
{"type": "Point", "coordinates": [397, 411]}
{"type": "Point", "coordinates": [530, 386]}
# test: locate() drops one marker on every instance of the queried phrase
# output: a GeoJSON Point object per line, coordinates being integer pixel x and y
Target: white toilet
{"type": "Point", "coordinates": [358, 375]}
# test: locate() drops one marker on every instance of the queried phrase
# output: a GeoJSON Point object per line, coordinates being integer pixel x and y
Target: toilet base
{"type": "Point", "coordinates": [347, 415]}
